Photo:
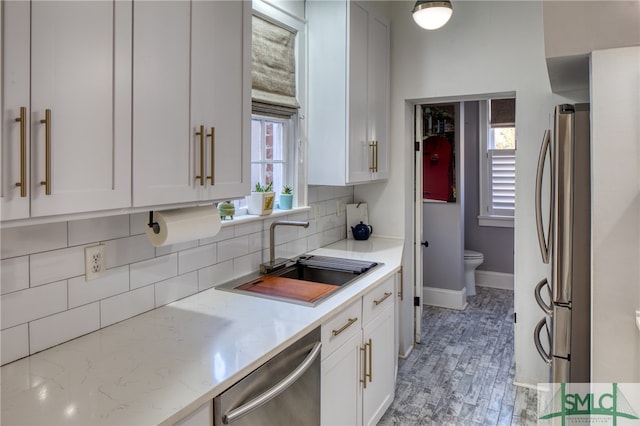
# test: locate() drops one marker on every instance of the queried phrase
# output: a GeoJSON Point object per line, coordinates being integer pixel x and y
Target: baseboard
{"type": "Point", "coordinates": [494, 279]}
{"type": "Point", "coordinates": [452, 299]}
{"type": "Point", "coordinates": [406, 354]}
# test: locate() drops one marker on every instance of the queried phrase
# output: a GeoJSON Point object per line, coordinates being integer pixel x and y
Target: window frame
{"type": "Point", "coordinates": [487, 216]}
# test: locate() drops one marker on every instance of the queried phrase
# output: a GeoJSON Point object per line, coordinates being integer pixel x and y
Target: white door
{"type": "Point", "coordinates": [379, 94]}
{"type": "Point", "coordinates": [15, 96]}
{"type": "Point", "coordinates": [164, 152]}
{"type": "Point", "coordinates": [417, 239]}
{"type": "Point", "coordinates": [341, 390]}
{"type": "Point", "coordinates": [220, 95]}
{"type": "Point", "coordinates": [359, 151]}
{"type": "Point", "coordinates": [380, 388]}
{"type": "Point", "coordinates": [80, 106]}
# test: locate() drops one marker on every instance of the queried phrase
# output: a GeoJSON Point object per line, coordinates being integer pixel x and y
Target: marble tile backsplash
{"type": "Point", "coordinates": [45, 299]}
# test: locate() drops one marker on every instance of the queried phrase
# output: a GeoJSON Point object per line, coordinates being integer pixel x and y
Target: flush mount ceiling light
{"type": "Point", "coordinates": [430, 14]}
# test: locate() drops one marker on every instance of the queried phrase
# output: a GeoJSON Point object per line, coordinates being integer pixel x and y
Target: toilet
{"type": "Point", "coordinates": [472, 259]}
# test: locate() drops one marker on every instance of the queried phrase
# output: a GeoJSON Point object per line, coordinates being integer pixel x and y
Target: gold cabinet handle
{"type": "Point", "coordinates": [370, 375]}
{"type": "Point", "coordinates": [372, 168]}
{"type": "Point", "coordinates": [363, 350]}
{"type": "Point", "coordinates": [375, 148]}
{"type": "Point", "coordinates": [382, 299]}
{"type": "Point", "coordinates": [212, 158]}
{"type": "Point", "coordinates": [47, 152]}
{"type": "Point", "coordinates": [23, 151]}
{"type": "Point", "coordinates": [401, 291]}
{"type": "Point", "coordinates": [344, 327]}
{"type": "Point", "coordinates": [200, 134]}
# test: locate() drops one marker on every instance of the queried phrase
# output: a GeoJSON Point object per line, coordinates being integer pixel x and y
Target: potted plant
{"type": "Point", "coordinates": [286, 198]}
{"type": "Point", "coordinates": [261, 200]}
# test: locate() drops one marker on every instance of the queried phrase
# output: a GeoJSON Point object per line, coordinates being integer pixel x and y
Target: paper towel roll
{"type": "Point", "coordinates": [186, 224]}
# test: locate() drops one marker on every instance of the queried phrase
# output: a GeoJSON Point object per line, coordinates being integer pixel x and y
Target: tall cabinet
{"type": "Point", "coordinates": [66, 107]}
{"type": "Point", "coordinates": [192, 111]}
{"type": "Point", "coordinates": [349, 94]}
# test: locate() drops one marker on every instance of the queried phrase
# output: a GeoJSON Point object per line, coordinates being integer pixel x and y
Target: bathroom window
{"type": "Point", "coordinates": [497, 162]}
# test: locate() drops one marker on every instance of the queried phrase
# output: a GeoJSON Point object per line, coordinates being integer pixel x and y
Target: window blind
{"type": "Point", "coordinates": [503, 112]}
{"type": "Point", "coordinates": [502, 182]}
{"type": "Point", "coordinates": [273, 69]}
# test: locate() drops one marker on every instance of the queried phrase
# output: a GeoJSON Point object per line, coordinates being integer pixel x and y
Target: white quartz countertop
{"type": "Point", "coordinates": [159, 366]}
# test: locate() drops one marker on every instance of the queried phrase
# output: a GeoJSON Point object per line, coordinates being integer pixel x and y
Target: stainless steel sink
{"type": "Point", "coordinates": [315, 269]}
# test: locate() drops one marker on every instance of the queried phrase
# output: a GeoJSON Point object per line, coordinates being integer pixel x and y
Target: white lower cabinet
{"type": "Point", "coordinates": [358, 365]}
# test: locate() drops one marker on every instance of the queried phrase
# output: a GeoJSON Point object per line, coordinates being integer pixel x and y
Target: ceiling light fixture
{"type": "Point", "coordinates": [431, 15]}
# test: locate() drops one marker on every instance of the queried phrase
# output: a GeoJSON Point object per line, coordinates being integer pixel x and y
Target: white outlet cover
{"type": "Point", "coordinates": [94, 262]}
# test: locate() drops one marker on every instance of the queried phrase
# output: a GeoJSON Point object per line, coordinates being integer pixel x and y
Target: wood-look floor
{"type": "Point", "coordinates": [462, 373]}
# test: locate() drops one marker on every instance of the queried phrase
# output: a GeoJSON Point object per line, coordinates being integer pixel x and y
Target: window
{"type": "Point", "coordinates": [278, 88]}
{"type": "Point", "coordinates": [497, 162]}
{"type": "Point", "coordinates": [271, 152]}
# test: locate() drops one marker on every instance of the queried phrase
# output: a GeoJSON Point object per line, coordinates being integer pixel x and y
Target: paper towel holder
{"type": "Point", "coordinates": [152, 224]}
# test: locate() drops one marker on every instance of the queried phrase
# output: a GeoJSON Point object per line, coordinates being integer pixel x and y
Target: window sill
{"type": "Point", "coordinates": [496, 221]}
{"type": "Point", "coordinates": [247, 218]}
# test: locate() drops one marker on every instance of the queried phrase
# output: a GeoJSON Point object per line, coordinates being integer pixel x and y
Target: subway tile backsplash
{"type": "Point", "coordinates": [45, 299]}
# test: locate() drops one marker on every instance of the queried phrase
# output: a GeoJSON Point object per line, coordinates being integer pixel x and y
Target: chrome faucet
{"type": "Point", "coordinates": [274, 263]}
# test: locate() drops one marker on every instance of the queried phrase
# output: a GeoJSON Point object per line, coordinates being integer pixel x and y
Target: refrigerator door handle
{"type": "Point", "coordinates": [546, 356]}
{"type": "Point", "coordinates": [543, 239]}
{"type": "Point", "coordinates": [546, 307]}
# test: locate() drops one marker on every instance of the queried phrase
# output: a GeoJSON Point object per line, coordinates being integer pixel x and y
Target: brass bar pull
{"type": "Point", "coordinates": [370, 375]}
{"type": "Point", "coordinates": [23, 151]}
{"type": "Point", "coordinates": [376, 149]}
{"type": "Point", "coordinates": [344, 327]}
{"type": "Point", "coordinates": [212, 158]}
{"type": "Point", "coordinates": [200, 134]}
{"type": "Point", "coordinates": [379, 301]}
{"type": "Point", "coordinates": [401, 291]}
{"type": "Point", "coordinates": [363, 350]}
{"type": "Point", "coordinates": [372, 168]}
{"type": "Point", "coordinates": [47, 152]}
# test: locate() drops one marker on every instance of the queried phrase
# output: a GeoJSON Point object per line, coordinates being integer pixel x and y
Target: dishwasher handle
{"type": "Point", "coordinates": [276, 390]}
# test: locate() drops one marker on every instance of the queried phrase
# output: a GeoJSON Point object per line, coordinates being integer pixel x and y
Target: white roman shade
{"type": "Point", "coordinates": [502, 182]}
{"type": "Point", "coordinates": [273, 69]}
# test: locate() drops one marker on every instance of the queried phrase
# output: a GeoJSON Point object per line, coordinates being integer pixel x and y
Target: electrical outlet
{"type": "Point", "coordinates": [94, 261]}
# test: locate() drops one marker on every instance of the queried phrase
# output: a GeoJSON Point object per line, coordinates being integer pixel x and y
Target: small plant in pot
{"type": "Point", "coordinates": [286, 198]}
{"type": "Point", "coordinates": [261, 200]}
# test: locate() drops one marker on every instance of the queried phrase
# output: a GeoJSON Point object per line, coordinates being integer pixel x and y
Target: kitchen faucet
{"type": "Point", "coordinates": [272, 265]}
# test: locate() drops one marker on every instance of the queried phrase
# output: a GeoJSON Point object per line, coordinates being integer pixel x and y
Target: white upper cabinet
{"type": "Point", "coordinates": [349, 95]}
{"type": "Point", "coordinates": [67, 65]}
{"type": "Point", "coordinates": [192, 110]}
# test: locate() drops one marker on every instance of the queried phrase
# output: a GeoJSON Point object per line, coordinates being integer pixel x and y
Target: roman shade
{"type": "Point", "coordinates": [503, 112]}
{"type": "Point", "coordinates": [273, 69]}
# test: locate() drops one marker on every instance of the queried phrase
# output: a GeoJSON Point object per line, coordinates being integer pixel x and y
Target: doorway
{"type": "Point", "coordinates": [453, 221]}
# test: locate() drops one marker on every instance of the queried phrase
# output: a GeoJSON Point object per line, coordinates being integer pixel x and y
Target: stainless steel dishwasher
{"type": "Point", "coordinates": [283, 391]}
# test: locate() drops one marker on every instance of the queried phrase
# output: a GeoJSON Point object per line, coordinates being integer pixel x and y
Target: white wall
{"type": "Point", "coordinates": [472, 55]}
{"type": "Point", "coordinates": [615, 96]}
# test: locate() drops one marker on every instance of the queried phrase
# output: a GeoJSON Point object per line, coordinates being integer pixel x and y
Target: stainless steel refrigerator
{"type": "Point", "coordinates": [565, 244]}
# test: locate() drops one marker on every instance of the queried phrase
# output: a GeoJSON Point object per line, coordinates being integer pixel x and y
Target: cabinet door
{"type": "Point", "coordinates": [341, 390]}
{"type": "Point", "coordinates": [15, 95]}
{"type": "Point", "coordinates": [379, 94]}
{"type": "Point", "coordinates": [380, 391]}
{"type": "Point", "coordinates": [358, 149]}
{"type": "Point", "coordinates": [81, 72]}
{"type": "Point", "coordinates": [164, 149]}
{"type": "Point", "coordinates": [220, 94]}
